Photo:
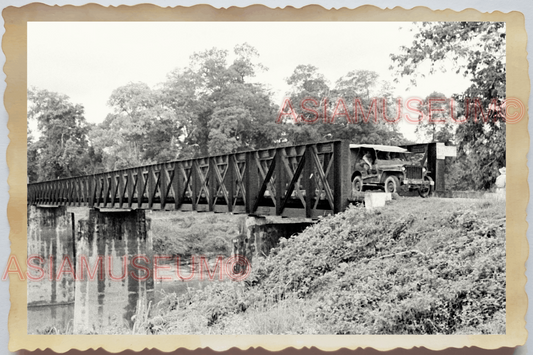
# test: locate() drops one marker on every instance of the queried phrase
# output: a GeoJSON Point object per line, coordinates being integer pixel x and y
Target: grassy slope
{"type": "Point", "coordinates": [432, 266]}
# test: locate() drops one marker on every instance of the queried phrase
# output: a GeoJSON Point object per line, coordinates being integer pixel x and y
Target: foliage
{"type": "Point", "coordinates": [230, 308]}
{"type": "Point", "coordinates": [205, 234]}
{"type": "Point", "coordinates": [223, 110]}
{"type": "Point", "coordinates": [478, 49]}
{"type": "Point", "coordinates": [209, 107]}
{"type": "Point", "coordinates": [306, 82]}
{"type": "Point", "coordinates": [61, 148]}
{"type": "Point", "coordinates": [439, 128]}
{"type": "Point", "coordinates": [32, 156]}
{"type": "Point", "coordinates": [140, 131]}
{"type": "Point", "coordinates": [437, 267]}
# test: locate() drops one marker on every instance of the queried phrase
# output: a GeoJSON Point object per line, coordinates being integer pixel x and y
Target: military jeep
{"type": "Point", "coordinates": [388, 167]}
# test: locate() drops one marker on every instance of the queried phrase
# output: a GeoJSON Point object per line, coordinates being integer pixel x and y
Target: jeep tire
{"type": "Point", "coordinates": [426, 191]}
{"type": "Point", "coordinates": [357, 185]}
{"type": "Point", "coordinates": [392, 184]}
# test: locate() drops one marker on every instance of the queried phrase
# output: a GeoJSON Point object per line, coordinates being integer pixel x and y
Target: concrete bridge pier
{"type": "Point", "coordinates": [50, 237]}
{"type": "Point", "coordinates": [260, 234]}
{"type": "Point", "coordinates": [120, 240]}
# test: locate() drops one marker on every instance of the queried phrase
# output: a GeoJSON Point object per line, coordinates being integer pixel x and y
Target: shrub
{"type": "Point", "coordinates": [434, 267]}
{"type": "Point", "coordinates": [193, 234]}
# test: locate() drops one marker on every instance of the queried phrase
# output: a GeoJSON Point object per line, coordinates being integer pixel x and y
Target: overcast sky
{"type": "Point", "coordinates": [88, 60]}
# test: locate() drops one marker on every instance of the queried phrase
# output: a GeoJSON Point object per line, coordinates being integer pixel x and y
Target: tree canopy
{"type": "Point", "coordinates": [209, 107]}
{"type": "Point", "coordinates": [324, 117]}
{"type": "Point", "coordinates": [478, 51]}
{"type": "Point", "coordinates": [222, 110]}
{"type": "Point", "coordinates": [141, 130]}
{"type": "Point", "coordinates": [61, 149]}
{"type": "Point", "coordinates": [437, 126]}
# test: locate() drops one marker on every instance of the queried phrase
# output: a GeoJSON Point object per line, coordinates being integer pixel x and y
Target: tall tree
{"type": "Point", "coordinates": [60, 149]}
{"type": "Point", "coordinates": [307, 83]}
{"type": "Point", "coordinates": [437, 127]}
{"type": "Point", "coordinates": [141, 130]}
{"type": "Point", "coordinates": [478, 49]}
{"type": "Point", "coordinates": [210, 107]}
{"type": "Point", "coordinates": [223, 111]}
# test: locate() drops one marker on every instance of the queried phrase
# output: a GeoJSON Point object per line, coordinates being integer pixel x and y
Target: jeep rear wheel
{"type": "Point", "coordinates": [426, 191]}
{"type": "Point", "coordinates": [392, 184]}
{"type": "Point", "coordinates": [357, 185]}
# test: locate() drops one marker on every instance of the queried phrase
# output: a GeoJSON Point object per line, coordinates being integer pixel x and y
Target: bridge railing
{"type": "Point", "coordinates": [296, 181]}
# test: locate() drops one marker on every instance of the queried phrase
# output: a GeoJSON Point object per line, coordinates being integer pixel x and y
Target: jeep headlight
{"type": "Point", "coordinates": [403, 168]}
{"type": "Point", "coordinates": [424, 170]}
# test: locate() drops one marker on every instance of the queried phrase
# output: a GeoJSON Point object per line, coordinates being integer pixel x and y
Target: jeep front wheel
{"type": "Point", "coordinates": [392, 184]}
{"type": "Point", "coordinates": [357, 185]}
{"type": "Point", "coordinates": [427, 190]}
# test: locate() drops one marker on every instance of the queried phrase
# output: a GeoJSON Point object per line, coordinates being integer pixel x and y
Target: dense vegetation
{"type": "Point", "coordinates": [187, 234]}
{"type": "Point", "coordinates": [435, 267]}
{"type": "Point", "coordinates": [478, 51]}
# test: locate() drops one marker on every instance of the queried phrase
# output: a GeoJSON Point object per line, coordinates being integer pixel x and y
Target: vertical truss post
{"type": "Point", "coordinates": [90, 191]}
{"type": "Point", "coordinates": [113, 190]}
{"type": "Point", "coordinates": [163, 185]}
{"type": "Point", "coordinates": [212, 183]}
{"type": "Point", "coordinates": [341, 170]}
{"type": "Point", "coordinates": [121, 186]}
{"type": "Point", "coordinates": [307, 180]}
{"type": "Point", "coordinates": [150, 190]}
{"type": "Point", "coordinates": [140, 187]}
{"type": "Point", "coordinates": [251, 178]}
{"type": "Point", "coordinates": [195, 183]}
{"type": "Point", "coordinates": [131, 187]}
{"type": "Point", "coordinates": [176, 186]}
{"type": "Point", "coordinates": [229, 181]}
{"type": "Point", "coordinates": [280, 181]}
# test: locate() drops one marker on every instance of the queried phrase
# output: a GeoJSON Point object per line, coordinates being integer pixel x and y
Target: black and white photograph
{"type": "Point", "coordinates": [266, 178]}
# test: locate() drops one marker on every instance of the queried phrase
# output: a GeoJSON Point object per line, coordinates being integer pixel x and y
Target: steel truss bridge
{"type": "Point", "coordinates": [308, 181]}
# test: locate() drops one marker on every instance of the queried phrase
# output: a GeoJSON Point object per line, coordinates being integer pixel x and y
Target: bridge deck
{"type": "Point", "coordinates": [297, 181]}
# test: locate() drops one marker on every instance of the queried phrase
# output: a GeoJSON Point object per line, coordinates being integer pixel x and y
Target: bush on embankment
{"type": "Point", "coordinates": [436, 266]}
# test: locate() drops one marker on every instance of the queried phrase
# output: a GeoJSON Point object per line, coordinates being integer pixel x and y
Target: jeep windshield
{"type": "Point", "coordinates": [391, 156]}
{"type": "Point", "coordinates": [386, 153]}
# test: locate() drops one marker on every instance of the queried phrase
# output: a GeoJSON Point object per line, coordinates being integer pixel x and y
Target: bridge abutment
{"type": "Point", "coordinates": [261, 234]}
{"type": "Point", "coordinates": [120, 242]}
{"type": "Point", "coordinates": [50, 237]}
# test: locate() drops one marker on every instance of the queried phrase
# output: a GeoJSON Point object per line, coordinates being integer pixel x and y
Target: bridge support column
{"type": "Point", "coordinates": [261, 234]}
{"type": "Point", "coordinates": [50, 237]}
{"type": "Point", "coordinates": [119, 243]}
